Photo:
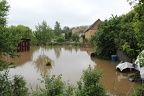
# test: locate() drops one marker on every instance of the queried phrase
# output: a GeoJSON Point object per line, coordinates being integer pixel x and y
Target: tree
{"type": "Point", "coordinates": [104, 37]}
{"type": "Point", "coordinates": [139, 23]}
{"type": "Point", "coordinates": [21, 31]}
{"type": "Point", "coordinates": [75, 37]}
{"type": "Point", "coordinates": [138, 6]}
{"type": "Point", "coordinates": [43, 33]}
{"type": "Point", "coordinates": [8, 42]}
{"type": "Point", "coordinates": [4, 8]}
{"type": "Point", "coordinates": [125, 39]}
{"type": "Point", "coordinates": [57, 29]}
{"type": "Point", "coordinates": [66, 30]}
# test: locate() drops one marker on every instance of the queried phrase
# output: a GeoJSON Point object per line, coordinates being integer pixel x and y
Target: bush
{"type": "Point", "coordinates": [88, 86]}
{"type": "Point", "coordinates": [139, 91]}
{"type": "Point", "coordinates": [61, 39]}
{"type": "Point", "coordinates": [12, 86]}
{"type": "Point", "coordinates": [48, 63]}
{"type": "Point", "coordinates": [54, 86]}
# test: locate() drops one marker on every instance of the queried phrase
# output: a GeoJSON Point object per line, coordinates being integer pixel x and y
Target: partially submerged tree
{"type": "Point", "coordinates": [43, 33]}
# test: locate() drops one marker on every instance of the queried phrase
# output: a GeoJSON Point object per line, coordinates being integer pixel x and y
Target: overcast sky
{"type": "Point", "coordinates": [67, 12]}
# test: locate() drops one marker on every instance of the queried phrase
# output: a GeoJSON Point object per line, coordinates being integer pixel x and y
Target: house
{"type": "Point", "coordinates": [92, 29]}
{"type": "Point", "coordinates": [80, 30]}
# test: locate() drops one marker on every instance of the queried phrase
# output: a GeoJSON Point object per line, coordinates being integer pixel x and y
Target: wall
{"type": "Point", "coordinates": [122, 57]}
{"type": "Point", "coordinates": [89, 33]}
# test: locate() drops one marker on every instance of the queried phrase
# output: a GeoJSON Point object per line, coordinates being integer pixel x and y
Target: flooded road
{"type": "Point", "coordinates": [70, 62]}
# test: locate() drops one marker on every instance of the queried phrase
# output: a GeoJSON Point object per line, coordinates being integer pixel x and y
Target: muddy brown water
{"type": "Point", "coordinates": [70, 62]}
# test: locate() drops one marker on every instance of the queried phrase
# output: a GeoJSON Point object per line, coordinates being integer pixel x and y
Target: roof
{"type": "Point", "coordinates": [97, 21]}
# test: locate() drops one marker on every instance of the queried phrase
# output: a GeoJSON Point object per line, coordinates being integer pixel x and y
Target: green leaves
{"type": "Point", "coordinates": [43, 33]}
{"type": "Point", "coordinates": [12, 86]}
{"type": "Point", "coordinates": [104, 38]}
{"type": "Point", "coordinates": [89, 84]}
{"type": "Point", "coordinates": [139, 91]}
{"type": "Point", "coordinates": [57, 29]}
{"type": "Point", "coordinates": [75, 37]}
{"type": "Point", "coordinates": [4, 8]}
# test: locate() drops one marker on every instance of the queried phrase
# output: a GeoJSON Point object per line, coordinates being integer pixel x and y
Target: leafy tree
{"type": "Point", "coordinates": [43, 33]}
{"type": "Point", "coordinates": [4, 8]}
{"type": "Point", "coordinates": [21, 31]}
{"type": "Point", "coordinates": [104, 37]}
{"type": "Point", "coordinates": [75, 37]}
{"type": "Point", "coordinates": [67, 31]}
{"type": "Point", "coordinates": [8, 42]}
{"type": "Point", "coordinates": [57, 29]}
{"type": "Point", "coordinates": [125, 39]}
{"type": "Point", "coordinates": [138, 6]}
{"type": "Point", "coordinates": [139, 23]}
{"type": "Point", "coordinates": [61, 39]}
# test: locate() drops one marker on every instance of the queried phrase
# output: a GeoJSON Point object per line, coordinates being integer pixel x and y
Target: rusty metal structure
{"type": "Point", "coordinates": [24, 45]}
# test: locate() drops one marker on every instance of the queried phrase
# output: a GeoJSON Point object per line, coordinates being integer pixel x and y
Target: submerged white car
{"type": "Point", "coordinates": [138, 65]}
{"type": "Point", "coordinates": [124, 65]}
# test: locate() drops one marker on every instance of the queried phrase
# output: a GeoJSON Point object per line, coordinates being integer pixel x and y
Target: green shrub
{"type": "Point", "coordinates": [5, 84]}
{"type": "Point", "coordinates": [19, 86]}
{"type": "Point", "coordinates": [48, 63]}
{"type": "Point", "coordinates": [54, 86]}
{"type": "Point", "coordinates": [139, 91]}
{"type": "Point", "coordinates": [12, 86]}
{"type": "Point", "coordinates": [89, 84]}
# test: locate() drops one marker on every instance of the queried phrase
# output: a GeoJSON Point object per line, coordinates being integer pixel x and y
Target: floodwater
{"type": "Point", "coordinates": [70, 62]}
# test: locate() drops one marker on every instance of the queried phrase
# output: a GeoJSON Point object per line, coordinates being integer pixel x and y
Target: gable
{"type": "Point", "coordinates": [94, 25]}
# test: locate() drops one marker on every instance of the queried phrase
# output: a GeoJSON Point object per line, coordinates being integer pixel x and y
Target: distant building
{"type": "Point", "coordinates": [92, 29]}
{"type": "Point", "coordinates": [80, 30]}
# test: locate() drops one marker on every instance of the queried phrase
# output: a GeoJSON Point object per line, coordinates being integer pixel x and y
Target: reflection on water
{"type": "Point", "coordinates": [69, 61]}
{"type": "Point", "coordinates": [66, 60]}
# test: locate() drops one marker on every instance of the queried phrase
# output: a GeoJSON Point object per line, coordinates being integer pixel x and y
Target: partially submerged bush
{"type": "Point", "coordinates": [88, 86]}
{"type": "Point", "coordinates": [54, 86]}
{"type": "Point", "coordinates": [48, 63]}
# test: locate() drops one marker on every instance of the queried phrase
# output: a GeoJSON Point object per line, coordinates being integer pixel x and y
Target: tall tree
{"type": "Point", "coordinates": [125, 39]}
{"type": "Point", "coordinates": [8, 42]}
{"type": "Point", "coordinates": [67, 31]}
{"type": "Point", "coordinates": [43, 33]}
{"type": "Point", "coordinates": [138, 24]}
{"type": "Point", "coordinates": [4, 8]}
{"type": "Point", "coordinates": [57, 29]}
{"type": "Point", "coordinates": [104, 37]}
